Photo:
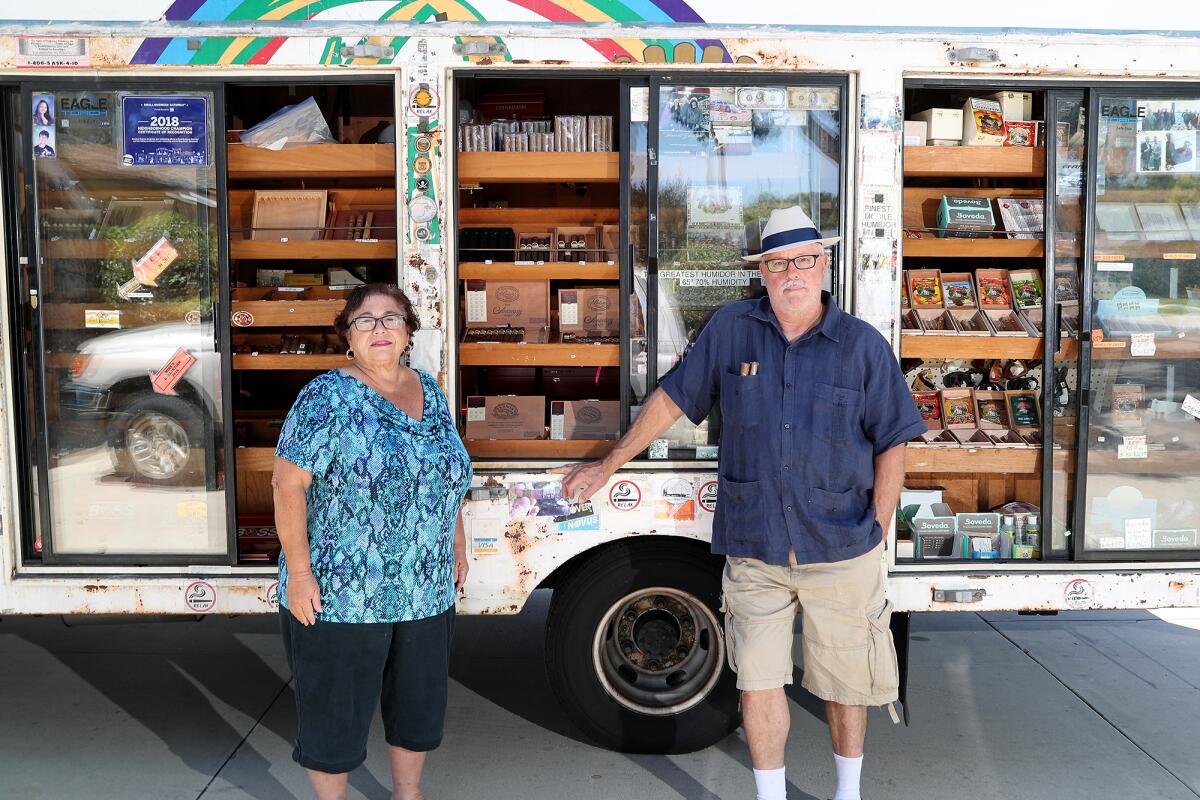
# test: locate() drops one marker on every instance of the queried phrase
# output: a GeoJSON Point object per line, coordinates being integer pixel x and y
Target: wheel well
{"type": "Point", "coordinates": [634, 543]}
{"type": "Point", "coordinates": [126, 391]}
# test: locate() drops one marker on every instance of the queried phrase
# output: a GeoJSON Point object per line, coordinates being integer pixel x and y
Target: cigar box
{"type": "Point", "coordinates": [958, 411]}
{"type": "Point", "coordinates": [1014, 105]}
{"type": "Point", "coordinates": [506, 417]}
{"type": "Point", "coordinates": [991, 411]}
{"type": "Point", "coordinates": [1026, 287]}
{"type": "Point", "coordinates": [916, 133]}
{"type": "Point", "coordinates": [1019, 134]}
{"type": "Point", "coordinates": [937, 321]}
{"type": "Point", "coordinates": [576, 243]}
{"type": "Point", "coordinates": [518, 304]}
{"type": "Point", "coordinates": [994, 291]}
{"type": "Point", "coordinates": [970, 322]}
{"type": "Point", "coordinates": [942, 123]}
{"type": "Point", "coordinates": [958, 291]}
{"type": "Point", "coordinates": [910, 323]}
{"type": "Point", "coordinates": [1128, 404]}
{"type": "Point", "coordinates": [983, 123]}
{"type": "Point", "coordinates": [585, 419]}
{"type": "Point", "coordinates": [1023, 414]}
{"type": "Point", "coordinates": [925, 288]}
{"type": "Point", "coordinates": [589, 310]}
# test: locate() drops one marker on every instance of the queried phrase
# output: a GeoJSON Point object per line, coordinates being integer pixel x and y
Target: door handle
{"type": "Point", "coordinates": [33, 299]}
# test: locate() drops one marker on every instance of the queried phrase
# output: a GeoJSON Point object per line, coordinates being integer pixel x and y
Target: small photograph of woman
{"type": "Point", "coordinates": [369, 479]}
{"type": "Point", "coordinates": [41, 110]}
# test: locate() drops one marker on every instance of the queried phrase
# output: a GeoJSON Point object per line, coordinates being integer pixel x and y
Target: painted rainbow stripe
{"type": "Point", "coordinates": [260, 50]}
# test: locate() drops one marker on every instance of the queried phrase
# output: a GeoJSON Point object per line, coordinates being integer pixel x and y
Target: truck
{"type": "Point", "coordinates": [170, 284]}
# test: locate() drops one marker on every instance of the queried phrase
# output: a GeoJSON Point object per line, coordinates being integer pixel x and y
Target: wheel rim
{"type": "Point", "coordinates": [157, 445]}
{"type": "Point", "coordinates": [658, 651]}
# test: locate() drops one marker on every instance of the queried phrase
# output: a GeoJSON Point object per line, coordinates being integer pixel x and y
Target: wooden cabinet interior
{"type": "Point", "coordinates": [510, 199]}
{"type": "Point", "coordinates": [283, 336]}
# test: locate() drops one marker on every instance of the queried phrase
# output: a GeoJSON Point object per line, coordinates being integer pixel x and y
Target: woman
{"type": "Point", "coordinates": [369, 479]}
{"type": "Point", "coordinates": [41, 113]}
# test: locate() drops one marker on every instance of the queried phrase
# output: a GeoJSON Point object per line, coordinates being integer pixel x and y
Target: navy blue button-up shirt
{"type": "Point", "coordinates": [799, 439]}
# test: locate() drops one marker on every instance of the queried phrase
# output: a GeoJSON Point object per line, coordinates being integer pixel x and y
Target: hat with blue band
{"type": "Point", "coordinates": [787, 228]}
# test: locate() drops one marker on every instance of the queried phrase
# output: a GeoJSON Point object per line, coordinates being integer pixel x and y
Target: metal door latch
{"type": "Point", "coordinates": [958, 595]}
{"type": "Point", "coordinates": [487, 492]}
{"type": "Point", "coordinates": [33, 299]}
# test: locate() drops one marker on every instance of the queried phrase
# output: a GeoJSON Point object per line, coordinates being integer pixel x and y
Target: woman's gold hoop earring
{"type": "Point", "coordinates": [350, 355]}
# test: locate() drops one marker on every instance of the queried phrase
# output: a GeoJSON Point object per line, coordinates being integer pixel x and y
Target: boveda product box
{"type": "Point", "coordinates": [585, 419]}
{"type": "Point", "coordinates": [589, 310]}
{"type": "Point", "coordinates": [521, 304]}
{"type": "Point", "coordinates": [506, 417]}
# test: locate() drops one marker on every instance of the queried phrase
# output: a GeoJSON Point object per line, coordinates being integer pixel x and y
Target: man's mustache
{"type": "Point", "coordinates": [794, 283]}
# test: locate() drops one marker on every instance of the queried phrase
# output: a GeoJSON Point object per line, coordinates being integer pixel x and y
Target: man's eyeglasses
{"type": "Point", "coordinates": [800, 262]}
{"type": "Point", "coordinates": [368, 323]}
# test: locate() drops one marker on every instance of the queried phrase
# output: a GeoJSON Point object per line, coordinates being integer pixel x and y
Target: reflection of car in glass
{"type": "Point", "coordinates": [152, 436]}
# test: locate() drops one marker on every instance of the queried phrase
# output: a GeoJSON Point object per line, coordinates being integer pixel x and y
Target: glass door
{"type": "Point", "coordinates": [727, 155]}
{"type": "Point", "coordinates": [123, 280]}
{"type": "Point", "coordinates": [1065, 163]}
{"type": "Point", "coordinates": [1139, 437]}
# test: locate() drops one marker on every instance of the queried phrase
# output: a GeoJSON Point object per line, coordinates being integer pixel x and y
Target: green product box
{"type": "Point", "coordinates": [965, 217]}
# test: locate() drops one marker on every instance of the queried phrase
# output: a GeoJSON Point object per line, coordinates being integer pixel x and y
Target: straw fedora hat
{"type": "Point", "coordinates": [787, 228]}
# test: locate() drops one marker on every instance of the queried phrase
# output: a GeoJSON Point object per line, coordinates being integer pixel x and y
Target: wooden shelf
{"type": "Point", "coordinates": [1166, 348]}
{"type": "Point", "coordinates": [550, 271]}
{"type": "Point", "coordinates": [530, 216]}
{"type": "Point", "coordinates": [973, 248]}
{"type": "Point", "coordinates": [1184, 252]}
{"type": "Point", "coordinates": [313, 161]}
{"type": "Point", "coordinates": [932, 346]}
{"type": "Point", "coordinates": [537, 448]}
{"type": "Point", "coordinates": [975, 162]}
{"type": "Point", "coordinates": [539, 355]}
{"type": "Point", "coordinates": [972, 460]}
{"type": "Point", "coordinates": [70, 316]}
{"type": "Point", "coordinates": [280, 313]}
{"type": "Point", "coordinates": [78, 248]}
{"type": "Point", "coordinates": [313, 250]}
{"type": "Point", "coordinates": [320, 361]}
{"type": "Point", "coordinates": [255, 459]}
{"type": "Point", "coordinates": [538, 168]}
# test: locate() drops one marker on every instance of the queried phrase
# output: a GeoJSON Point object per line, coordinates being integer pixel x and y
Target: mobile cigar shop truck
{"type": "Point", "coordinates": [564, 191]}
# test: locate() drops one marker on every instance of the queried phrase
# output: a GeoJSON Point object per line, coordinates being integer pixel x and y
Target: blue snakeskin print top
{"type": "Point", "coordinates": [383, 501]}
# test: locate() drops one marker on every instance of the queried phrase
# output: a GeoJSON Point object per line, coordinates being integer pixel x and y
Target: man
{"type": "Point", "coordinates": [812, 461]}
{"type": "Point", "coordinates": [43, 149]}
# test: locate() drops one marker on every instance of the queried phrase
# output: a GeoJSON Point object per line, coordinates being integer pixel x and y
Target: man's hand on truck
{"type": "Point", "coordinates": [582, 481]}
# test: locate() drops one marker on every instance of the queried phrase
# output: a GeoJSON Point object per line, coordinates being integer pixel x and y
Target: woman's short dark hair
{"type": "Point", "coordinates": [341, 325]}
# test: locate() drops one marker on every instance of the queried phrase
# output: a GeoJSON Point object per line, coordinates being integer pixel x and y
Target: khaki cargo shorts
{"type": "Point", "coordinates": [849, 655]}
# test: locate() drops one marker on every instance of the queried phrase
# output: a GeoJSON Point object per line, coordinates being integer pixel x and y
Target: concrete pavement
{"type": "Point", "coordinates": [1076, 706]}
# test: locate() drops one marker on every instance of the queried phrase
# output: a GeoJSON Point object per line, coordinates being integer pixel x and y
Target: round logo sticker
{"type": "Point", "coordinates": [625, 496]}
{"type": "Point", "coordinates": [423, 144]}
{"type": "Point", "coordinates": [242, 319]}
{"type": "Point", "coordinates": [422, 209]}
{"type": "Point", "coordinates": [200, 596]}
{"type": "Point", "coordinates": [422, 233]}
{"type": "Point", "coordinates": [423, 100]}
{"type": "Point", "coordinates": [273, 596]}
{"type": "Point", "coordinates": [1078, 594]}
{"type": "Point", "coordinates": [707, 497]}
{"type": "Point", "coordinates": [192, 318]}
{"type": "Point", "coordinates": [421, 185]}
{"type": "Point", "coordinates": [422, 164]}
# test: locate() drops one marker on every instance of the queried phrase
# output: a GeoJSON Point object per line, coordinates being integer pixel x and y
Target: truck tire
{"type": "Point", "coordinates": [159, 439]}
{"type": "Point", "coordinates": [635, 648]}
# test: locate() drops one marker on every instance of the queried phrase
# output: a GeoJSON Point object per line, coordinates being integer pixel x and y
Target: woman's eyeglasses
{"type": "Point", "coordinates": [368, 323]}
{"type": "Point", "coordinates": [800, 262]}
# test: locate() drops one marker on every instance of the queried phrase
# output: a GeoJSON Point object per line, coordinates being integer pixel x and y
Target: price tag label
{"type": "Point", "coordinates": [1191, 405]}
{"type": "Point", "coordinates": [1133, 447]}
{"type": "Point", "coordinates": [1114, 266]}
{"type": "Point", "coordinates": [1139, 533]}
{"type": "Point", "coordinates": [1142, 344]}
{"type": "Point", "coordinates": [477, 305]}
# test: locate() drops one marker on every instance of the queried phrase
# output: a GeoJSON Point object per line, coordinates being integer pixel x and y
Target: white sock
{"type": "Point", "coordinates": [849, 770]}
{"type": "Point", "coordinates": [771, 784]}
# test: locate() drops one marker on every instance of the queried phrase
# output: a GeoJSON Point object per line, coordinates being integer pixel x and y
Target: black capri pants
{"type": "Point", "coordinates": [341, 671]}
